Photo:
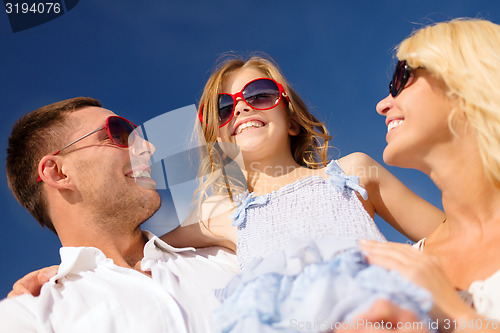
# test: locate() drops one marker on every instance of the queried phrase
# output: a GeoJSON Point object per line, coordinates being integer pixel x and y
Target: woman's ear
{"type": "Point", "coordinates": [51, 171]}
{"type": "Point", "coordinates": [294, 128]}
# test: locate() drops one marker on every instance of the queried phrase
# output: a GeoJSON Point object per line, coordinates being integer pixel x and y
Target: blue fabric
{"type": "Point", "coordinates": [247, 200]}
{"type": "Point", "coordinates": [341, 180]}
{"type": "Point", "coordinates": [317, 283]}
{"type": "Point", "coordinates": [297, 248]}
{"type": "Point", "coordinates": [310, 208]}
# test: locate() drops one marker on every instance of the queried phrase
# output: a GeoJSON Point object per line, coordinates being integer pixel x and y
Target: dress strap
{"type": "Point", "coordinates": [243, 201]}
{"type": "Point", "coordinates": [340, 180]}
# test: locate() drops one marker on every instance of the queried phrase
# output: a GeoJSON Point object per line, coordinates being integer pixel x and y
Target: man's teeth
{"type": "Point", "coordinates": [393, 124]}
{"type": "Point", "coordinates": [248, 124]}
{"type": "Point", "coordinates": [141, 174]}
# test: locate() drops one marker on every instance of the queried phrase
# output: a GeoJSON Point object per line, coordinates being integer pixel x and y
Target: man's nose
{"type": "Point", "coordinates": [142, 146]}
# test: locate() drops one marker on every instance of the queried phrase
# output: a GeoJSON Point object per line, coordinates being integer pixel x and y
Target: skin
{"type": "Point", "coordinates": [254, 143]}
{"type": "Point", "coordinates": [268, 165]}
{"type": "Point", "coordinates": [471, 231]}
{"type": "Point", "coordinates": [388, 317]}
{"type": "Point", "coordinates": [84, 187]}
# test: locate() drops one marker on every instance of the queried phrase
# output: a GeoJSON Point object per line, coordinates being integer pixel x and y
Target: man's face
{"type": "Point", "coordinates": [112, 181]}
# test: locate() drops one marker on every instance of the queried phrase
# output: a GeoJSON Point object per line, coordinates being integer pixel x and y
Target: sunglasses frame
{"type": "Point", "coordinates": [239, 94]}
{"type": "Point", "coordinates": [100, 128]}
{"type": "Point", "coordinates": [401, 65]}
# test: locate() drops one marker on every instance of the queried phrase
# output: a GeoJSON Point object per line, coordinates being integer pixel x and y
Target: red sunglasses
{"type": "Point", "coordinates": [259, 94]}
{"type": "Point", "coordinates": [120, 131]}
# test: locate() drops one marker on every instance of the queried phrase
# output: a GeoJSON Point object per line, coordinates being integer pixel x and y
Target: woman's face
{"type": "Point", "coordinates": [417, 120]}
{"type": "Point", "coordinates": [256, 132]}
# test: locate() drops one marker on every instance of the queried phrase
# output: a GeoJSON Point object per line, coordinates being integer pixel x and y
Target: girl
{"type": "Point", "coordinates": [281, 217]}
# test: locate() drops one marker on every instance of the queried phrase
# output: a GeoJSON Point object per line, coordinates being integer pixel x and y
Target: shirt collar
{"type": "Point", "coordinates": [155, 242]}
{"type": "Point", "coordinates": [78, 259]}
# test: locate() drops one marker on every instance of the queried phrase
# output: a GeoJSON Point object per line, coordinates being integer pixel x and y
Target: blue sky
{"type": "Point", "coordinates": [143, 59]}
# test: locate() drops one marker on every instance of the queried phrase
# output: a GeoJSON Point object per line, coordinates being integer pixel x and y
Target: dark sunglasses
{"type": "Point", "coordinates": [120, 131]}
{"type": "Point", "coordinates": [259, 94]}
{"type": "Point", "coordinates": [400, 77]}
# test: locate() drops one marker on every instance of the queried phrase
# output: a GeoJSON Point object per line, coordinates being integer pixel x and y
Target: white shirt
{"type": "Point", "coordinates": [91, 294]}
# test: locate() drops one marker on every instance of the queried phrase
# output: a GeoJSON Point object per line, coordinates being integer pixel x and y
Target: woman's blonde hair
{"type": "Point", "coordinates": [309, 148]}
{"type": "Point", "coordinates": [465, 54]}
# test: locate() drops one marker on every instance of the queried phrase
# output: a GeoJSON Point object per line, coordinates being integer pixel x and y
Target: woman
{"type": "Point", "coordinates": [443, 118]}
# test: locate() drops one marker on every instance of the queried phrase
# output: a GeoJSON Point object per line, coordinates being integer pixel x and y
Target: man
{"type": "Point", "coordinates": [94, 190]}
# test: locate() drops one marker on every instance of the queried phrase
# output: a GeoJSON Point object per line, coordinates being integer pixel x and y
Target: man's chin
{"type": "Point", "coordinates": [155, 206]}
{"type": "Point", "coordinates": [146, 183]}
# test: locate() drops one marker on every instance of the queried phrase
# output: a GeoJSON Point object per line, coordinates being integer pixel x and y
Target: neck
{"type": "Point", "coordinates": [124, 247]}
{"type": "Point", "coordinates": [268, 174]}
{"type": "Point", "coordinates": [470, 200]}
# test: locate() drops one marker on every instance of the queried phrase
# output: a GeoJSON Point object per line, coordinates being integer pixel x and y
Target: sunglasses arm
{"type": "Point", "coordinates": [83, 137]}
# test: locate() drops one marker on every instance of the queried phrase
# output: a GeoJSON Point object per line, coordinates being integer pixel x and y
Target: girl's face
{"type": "Point", "coordinates": [416, 119]}
{"type": "Point", "coordinates": [256, 132]}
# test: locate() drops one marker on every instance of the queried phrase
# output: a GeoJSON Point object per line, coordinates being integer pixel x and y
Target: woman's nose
{"type": "Point", "coordinates": [384, 105]}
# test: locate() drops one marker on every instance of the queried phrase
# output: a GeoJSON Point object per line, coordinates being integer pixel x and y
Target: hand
{"type": "Point", "coordinates": [384, 316]}
{"type": "Point", "coordinates": [33, 282]}
{"type": "Point", "coordinates": [424, 270]}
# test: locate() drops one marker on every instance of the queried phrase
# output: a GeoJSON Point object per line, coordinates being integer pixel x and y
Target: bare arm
{"type": "Point", "coordinates": [392, 200]}
{"type": "Point", "coordinates": [212, 229]}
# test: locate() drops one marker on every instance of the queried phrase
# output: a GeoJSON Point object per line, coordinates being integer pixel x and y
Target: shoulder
{"type": "Point", "coordinates": [357, 164]}
{"type": "Point", "coordinates": [18, 314]}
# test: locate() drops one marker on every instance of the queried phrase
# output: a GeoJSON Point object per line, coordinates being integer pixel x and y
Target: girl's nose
{"type": "Point", "coordinates": [240, 107]}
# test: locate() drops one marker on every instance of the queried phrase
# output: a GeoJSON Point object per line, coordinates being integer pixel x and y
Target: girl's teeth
{"type": "Point", "coordinates": [393, 124]}
{"type": "Point", "coordinates": [250, 124]}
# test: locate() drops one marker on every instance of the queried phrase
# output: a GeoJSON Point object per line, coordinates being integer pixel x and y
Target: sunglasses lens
{"type": "Point", "coordinates": [225, 108]}
{"type": "Point", "coordinates": [398, 79]}
{"type": "Point", "coordinates": [121, 131]}
{"type": "Point", "coordinates": [262, 94]}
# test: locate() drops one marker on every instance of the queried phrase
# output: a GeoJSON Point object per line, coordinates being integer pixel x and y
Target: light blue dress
{"type": "Point", "coordinates": [301, 268]}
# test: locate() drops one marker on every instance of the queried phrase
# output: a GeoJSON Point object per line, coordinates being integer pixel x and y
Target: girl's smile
{"type": "Point", "coordinates": [260, 134]}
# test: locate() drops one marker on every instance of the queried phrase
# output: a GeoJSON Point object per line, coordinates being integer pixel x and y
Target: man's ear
{"type": "Point", "coordinates": [294, 128]}
{"type": "Point", "coordinates": [51, 171]}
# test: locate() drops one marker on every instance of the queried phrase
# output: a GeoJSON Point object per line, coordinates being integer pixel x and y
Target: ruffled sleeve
{"type": "Point", "coordinates": [340, 180]}
{"type": "Point", "coordinates": [244, 201]}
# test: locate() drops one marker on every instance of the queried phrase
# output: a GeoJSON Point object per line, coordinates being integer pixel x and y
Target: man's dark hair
{"type": "Point", "coordinates": [35, 135]}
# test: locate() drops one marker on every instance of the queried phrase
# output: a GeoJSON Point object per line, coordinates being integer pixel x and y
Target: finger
{"type": "Point", "coordinates": [45, 274]}
{"type": "Point", "coordinates": [388, 259]}
{"type": "Point", "coordinates": [17, 290]}
{"type": "Point", "coordinates": [28, 284]}
{"type": "Point", "coordinates": [387, 246]}
{"type": "Point", "coordinates": [392, 254]}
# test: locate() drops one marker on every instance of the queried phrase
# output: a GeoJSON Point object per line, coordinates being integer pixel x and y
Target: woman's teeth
{"type": "Point", "coordinates": [393, 124]}
{"type": "Point", "coordinates": [247, 125]}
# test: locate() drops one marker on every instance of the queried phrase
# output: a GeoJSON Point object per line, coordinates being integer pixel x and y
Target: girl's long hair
{"type": "Point", "coordinates": [217, 172]}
